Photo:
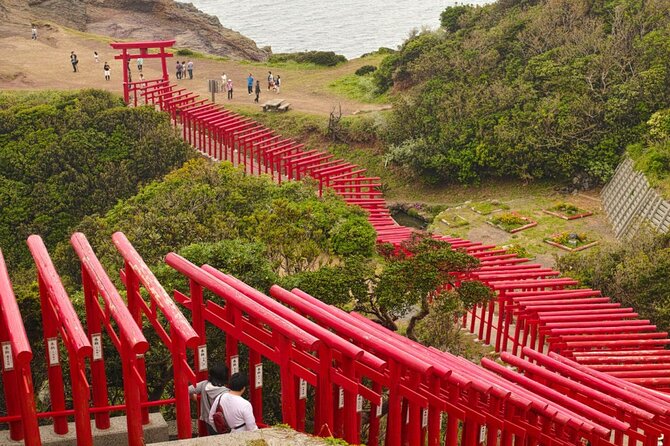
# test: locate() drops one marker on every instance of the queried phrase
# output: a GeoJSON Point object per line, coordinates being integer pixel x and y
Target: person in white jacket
{"type": "Point", "coordinates": [209, 390]}
{"type": "Point", "coordinates": [237, 411]}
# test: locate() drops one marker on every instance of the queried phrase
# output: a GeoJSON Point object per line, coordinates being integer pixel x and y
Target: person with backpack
{"type": "Point", "coordinates": [209, 390]}
{"type": "Point", "coordinates": [74, 61]}
{"type": "Point", "coordinates": [231, 412]}
{"type": "Point", "coordinates": [258, 90]}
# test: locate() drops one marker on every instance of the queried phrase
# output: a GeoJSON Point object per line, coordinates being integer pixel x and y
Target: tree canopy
{"type": "Point", "coordinates": [67, 155]}
{"type": "Point", "coordinates": [528, 89]}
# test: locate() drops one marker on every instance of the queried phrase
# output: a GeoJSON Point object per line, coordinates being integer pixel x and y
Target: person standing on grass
{"type": "Point", "coordinates": [258, 90]}
{"type": "Point", "coordinates": [237, 411]}
{"type": "Point", "coordinates": [96, 57]}
{"type": "Point", "coordinates": [250, 84]}
{"type": "Point", "coordinates": [74, 61]}
{"type": "Point", "coordinates": [277, 84]}
{"type": "Point", "coordinates": [107, 71]}
{"type": "Point", "coordinates": [178, 70]}
{"type": "Point", "coordinates": [271, 80]}
{"type": "Point", "coordinates": [229, 88]}
{"type": "Point", "coordinates": [140, 63]}
{"type": "Point", "coordinates": [224, 81]}
{"type": "Point", "coordinates": [189, 67]}
{"type": "Point", "coordinates": [33, 33]}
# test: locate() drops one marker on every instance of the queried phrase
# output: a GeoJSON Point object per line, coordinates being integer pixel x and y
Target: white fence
{"type": "Point", "coordinates": [630, 202]}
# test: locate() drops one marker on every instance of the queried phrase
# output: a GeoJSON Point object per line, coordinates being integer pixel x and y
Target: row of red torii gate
{"type": "Point", "coordinates": [584, 368]}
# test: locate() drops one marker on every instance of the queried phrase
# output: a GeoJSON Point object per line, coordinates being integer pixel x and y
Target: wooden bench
{"type": "Point", "coordinates": [276, 105]}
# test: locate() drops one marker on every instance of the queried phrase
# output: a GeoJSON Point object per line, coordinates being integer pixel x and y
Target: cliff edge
{"type": "Point", "coordinates": [139, 20]}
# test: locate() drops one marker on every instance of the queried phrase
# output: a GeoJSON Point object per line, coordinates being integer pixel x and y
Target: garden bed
{"type": "Point", "coordinates": [511, 222]}
{"type": "Point", "coordinates": [567, 211]}
{"type": "Point", "coordinates": [488, 207]}
{"type": "Point", "coordinates": [570, 242]}
{"type": "Point", "coordinates": [454, 221]}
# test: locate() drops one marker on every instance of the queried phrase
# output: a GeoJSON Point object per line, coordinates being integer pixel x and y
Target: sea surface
{"type": "Point", "coordinates": [348, 27]}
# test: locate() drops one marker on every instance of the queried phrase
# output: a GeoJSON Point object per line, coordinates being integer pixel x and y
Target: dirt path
{"type": "Point", "coordinates": [45, 64]}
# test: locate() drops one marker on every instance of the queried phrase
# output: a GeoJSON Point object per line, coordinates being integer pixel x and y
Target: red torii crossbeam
{"type": "Point", "coordinates": [142, 50]}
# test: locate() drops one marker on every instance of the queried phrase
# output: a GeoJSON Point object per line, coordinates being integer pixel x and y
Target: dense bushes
{"type": "Point", "coordinates": [324, 58]}
{"type": "Point", "coordinates": [652, 154]}
{"type": "Point", "coordinates": [528, 89]}
{"type": "Point", "coordinates": [205, 203]}
{"type": "Point", "coordinates": [633, 273]}
{"type": "Point", "coordinates": [64, 156]}
{"type": "Point", "coordinates": [365, 69]}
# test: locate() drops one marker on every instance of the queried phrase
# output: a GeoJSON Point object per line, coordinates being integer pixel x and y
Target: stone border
{"type": "Point", "coordinates": [567, 217]}
{"type": "Point", "coordinates": [530, 224]}
{"type": "Point", "coordinates": [565, 248]}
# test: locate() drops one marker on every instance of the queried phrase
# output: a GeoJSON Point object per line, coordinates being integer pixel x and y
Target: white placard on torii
{"type": "Point", "coordinates": [303, 389]}
{"type": "Point", "coordinates": [202, 358]}
{"type": "Point", "coordinates": [234, 364]}
{"type": "Point", "coordinates": [96, 343]}
{"type": "Point", "coordinates": [7, 357]}
{"type": "Point", "coordinates": [258, 382]}
{"type": "Point", "coordinates": [52, 347]}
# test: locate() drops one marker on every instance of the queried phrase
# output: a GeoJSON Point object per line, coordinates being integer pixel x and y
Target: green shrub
{"type": "Point", "coordinates": [365, 69]}
{"type": "Point", "coordinates": [500, 93]}
{"type": "Point", "coordinates": [184, 52]}
{"type": "Point", "coordinates": [508, 221]}
{"type": "Point", "coordinates": [72, 155]}
{"type": "Point", "coordinates": [565, 208]}
{"type": "Point", "coordinates": [322, 58]}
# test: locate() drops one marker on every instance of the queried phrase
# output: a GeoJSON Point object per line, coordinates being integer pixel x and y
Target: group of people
{"type": "Point", "coordinates": [274, 83]}
{"type": "Point", "coordinates": [183, 68]}
{"type": "Point", "coordinates": [223, 395]}
{"type": "Point", "coordinates": [253, 85]}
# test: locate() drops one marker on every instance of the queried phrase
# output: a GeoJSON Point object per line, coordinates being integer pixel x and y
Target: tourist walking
{"type": "Point", "coordinates": [229, 88]}
{"type": "Point", "coordinates": [250, 84]}
{"type": "Point", "coordinates": [33, 32]}
{"type": "Point", "coordinates": [277, 84]}
{"type": "Point", "coordinates": [224, 81]}
{"type": "Point", "coordinates": [271, 80]}
{"type": "Point", "coordinates": [237, 411]}
{"type": "Point", "coordinates": [258, 90]}
{"type": "Point", "coordinates": [96, 57]}
{"type": "Point", "coordinates": [74, 61]}
{"type": "Point", "coordinates": [107, 71]}
{"type": "Point", "coordinates": [140, 63]}
{"type": "Point", "coordinates": [189, 67]}
{"type": "Point", "coordinates": [178, 70]}
{"type": "Point", "coordinates": [209, 390]}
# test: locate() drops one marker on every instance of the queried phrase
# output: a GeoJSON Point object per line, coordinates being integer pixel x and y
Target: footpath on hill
{"type": "Point", "coordinates": [45, 64]}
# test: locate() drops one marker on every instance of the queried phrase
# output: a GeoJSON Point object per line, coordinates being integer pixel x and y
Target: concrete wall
{"type": "Point", "coordinates": [630, 203]}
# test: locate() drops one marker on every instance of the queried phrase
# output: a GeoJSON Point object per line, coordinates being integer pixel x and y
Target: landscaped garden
{"type": "Point", "coordinates": [542, 224]}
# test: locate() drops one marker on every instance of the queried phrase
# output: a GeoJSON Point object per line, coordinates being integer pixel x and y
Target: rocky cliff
{"type": "Point", "coordinates": [143, 20]}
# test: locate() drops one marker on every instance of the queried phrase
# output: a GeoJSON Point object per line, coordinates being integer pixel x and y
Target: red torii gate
{"type": "Point", "coordinates": [127, 55]}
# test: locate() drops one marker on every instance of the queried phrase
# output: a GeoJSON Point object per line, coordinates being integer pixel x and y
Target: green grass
{"type": "Point", "coordinates": [486, 207]}
{"type": "Point", "coordinates": [358, 88]}
{"type": "Point", "coordinates": [527, 201]}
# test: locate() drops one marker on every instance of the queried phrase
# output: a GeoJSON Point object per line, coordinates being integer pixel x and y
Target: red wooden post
{"type": "Point", "coordinates": [54, 370]}
{"type": "Point", "coordinates": [94, 329]}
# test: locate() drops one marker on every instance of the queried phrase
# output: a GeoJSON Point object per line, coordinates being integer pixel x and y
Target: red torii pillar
{"type": "Point", "coordinates": [127, 54]}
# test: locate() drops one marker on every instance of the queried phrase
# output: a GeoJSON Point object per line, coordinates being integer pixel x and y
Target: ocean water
{"type": "Point", "coordinates": [348, 27]}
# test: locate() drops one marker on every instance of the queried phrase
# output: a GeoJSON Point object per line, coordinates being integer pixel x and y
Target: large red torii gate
{"type": "Point", "coordinates": [143, 48]}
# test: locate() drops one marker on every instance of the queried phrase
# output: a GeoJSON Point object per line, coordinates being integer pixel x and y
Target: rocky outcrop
{"type": "Point", "coordinates": [148, 20]}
